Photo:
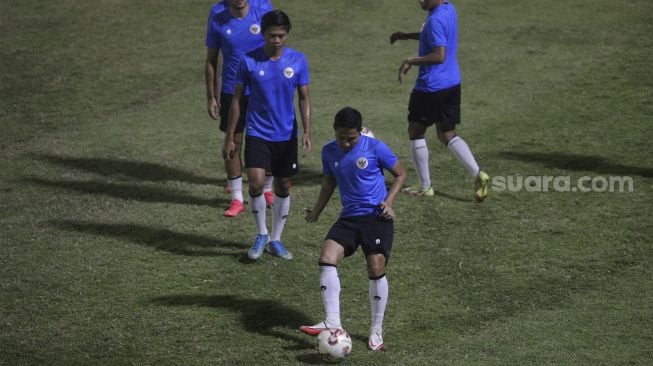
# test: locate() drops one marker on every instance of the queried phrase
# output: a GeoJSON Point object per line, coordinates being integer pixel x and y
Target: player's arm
{"type": "Point", "coordinates": [229, 147]}
{"type": "Point", "coordinates": [399, 178]}
{"type": "Point", "coordinates": [401, 36]}
{"type": "Point", "coordinates": [305, 115]}
{"type": "Point", "coordinates": [213, 78]}
{"type": "Point", "coordinates": [437, 56]}
{"type": "Point", "coordinates": [326, 191]}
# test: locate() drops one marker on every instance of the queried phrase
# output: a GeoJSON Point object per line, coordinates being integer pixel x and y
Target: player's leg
{"type": "Point", "coordinates": [257, 160]}
{"type": "Point", "coordinates": [233, 167]}
{"type": "Point", "coordinates": [377, 240]}
{"type": "Point", "coordinates": [378, 295]}
{"type": "Point", "coordinates": [267, 189]}
{"type": "Point", "coordinates": [450, 117]}
{"type": "Point", "coordinates": [332, 254]}
{"type": "Point", "coordinates": [284, 165]}
{"type": "Point", "coordinates": [419, 118]}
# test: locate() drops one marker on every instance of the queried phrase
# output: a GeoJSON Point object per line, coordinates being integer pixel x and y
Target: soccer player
{"type": "Point", "coordinates": [272, 73]}
{"type": "Point", "coordinates": [233, 28]}
{"type": "Point", "coordinates": [355, 163]}
{"type": "Point", "coordinates": [436, 96]}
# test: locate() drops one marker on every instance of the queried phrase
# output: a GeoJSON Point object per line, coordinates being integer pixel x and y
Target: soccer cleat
{"type": "Point", "coordinates": [375, 342]}
{"type": "Point", "coordinates": [317, 328]}
{"type": "Point", "coordinates": [276, 247]}
{"type": "Point", "coordinates": [256, 250]}
{"type": "Point", "coordinates": [416, 190]}
{"type": "Point", "coordinates": [480, 187]}
{"type": "Point", "coordinates": [269, 198]}
{"type": "Point", "coordinates": [235, 208]}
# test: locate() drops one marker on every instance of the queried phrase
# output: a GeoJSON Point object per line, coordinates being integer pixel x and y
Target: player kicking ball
{"type": "Point", "coordinates": [354, 163]}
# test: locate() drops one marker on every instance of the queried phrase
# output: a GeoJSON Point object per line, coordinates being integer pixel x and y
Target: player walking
{"type": "Point", "coordinates": [272, 73]}
{"type": "Point", "coordinates": [436, 96]}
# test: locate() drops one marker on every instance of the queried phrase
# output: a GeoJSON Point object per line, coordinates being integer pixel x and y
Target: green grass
{"type": "Point", "coordinates": [113, 248]}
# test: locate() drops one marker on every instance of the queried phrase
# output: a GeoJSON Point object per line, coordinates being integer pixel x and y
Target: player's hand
{"type": "Point", "coordinates": [311, 216]}
{"type": "Point", "coordinates": [213, 107]}
{"type": "Point", "coordinates": [307, 142]}
{"type": "Point", "coordinates": [228, 149]}
{"type": "Point", "coordinates": [387, 212]}
{"type": "Point", "coordinates": [396, 36]}
{"type": "Point", "coordinates": [403, 70]}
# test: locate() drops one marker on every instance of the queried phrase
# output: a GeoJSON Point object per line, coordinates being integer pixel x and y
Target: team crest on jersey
{"type": "Point", "coordinates": [255, 29]}
{"type": "Point", "coordinates": [228, 32]}
{"type": "Point", "coordinates": [361, 163]}
{"type": "Point", "coordinates": [261, 73]}
{"type": "Point", "coordinates": [288, 72]}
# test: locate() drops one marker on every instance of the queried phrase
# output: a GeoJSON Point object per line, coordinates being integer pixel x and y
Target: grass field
{"type": "Point", "coordinates": [114, 251]}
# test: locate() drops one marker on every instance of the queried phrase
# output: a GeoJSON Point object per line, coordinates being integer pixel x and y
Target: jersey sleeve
{"type": "Point", "coordinates": [304, 77]}
{"type": "Point", "coordinates": [242, 73]}
{"type": "Point", "coordinates": [326, 167]}
{"type": "Point", "coordinates": [436, 34]}
{"type": "Point", "coordinates": [212, 38]}
{"type": "Point", "coordinates": [385, 156]}
{"type": "Point", "coordinates": [265, 5]}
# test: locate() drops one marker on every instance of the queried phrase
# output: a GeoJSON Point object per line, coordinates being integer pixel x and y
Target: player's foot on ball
{"type": "Point", "coordinates": [375, 342]}
{"type": "Point", "coordinates": [256, 250]}
{"type": "Point", "coordinates": [269, 198]}
{"type": "Point", "coordinates": [480, 187]}
{"type": "Point", "coordinates": [317, 328]}
{"type": "Point", "coordinates": [416, 190]}
{"type": "Point", "coordinates": [235, 208]}
{"type": "Point", "coordinates": [276, 247]}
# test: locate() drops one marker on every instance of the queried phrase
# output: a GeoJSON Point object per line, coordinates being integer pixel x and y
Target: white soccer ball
{"type": "Point", "coordinates": [367, 132]}
{"type": "Point", "coordinates": [333, 344]}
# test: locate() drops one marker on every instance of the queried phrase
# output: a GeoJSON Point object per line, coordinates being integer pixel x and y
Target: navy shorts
{"type": "Point", "coordinates": [279, 158]}
{"type": "Point", "coordinates": [225, 105]}
{"type": "Point", "coordinates": [372, 233]}
{"type": "Point", "coordinates": [441, 107]}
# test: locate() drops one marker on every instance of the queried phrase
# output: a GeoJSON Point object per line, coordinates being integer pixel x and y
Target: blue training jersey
{"type": "Point", "coordinates": [272, 85]}
{"type": "Point", "coordinates": [218, 7]}
{"type": "Point", "coordinates": [359, 174]}
{"type": "Point", "coordinates": [234, 37]}
{"type": "Point", "coordinates": [440, 29]}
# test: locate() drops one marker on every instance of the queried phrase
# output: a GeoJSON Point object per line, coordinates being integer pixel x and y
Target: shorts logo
{"type": "Point", "coordinates": [377, 241]}
{"type": "Point", "coordinates": [288, 72]}
{"type": "Point", "coordinates": [361, 163]}
{"type": "Point", "coordinates": [294, 166]}
{"type": "Point", "coordinates": [261, 73]}
{"type": "Point", "coordinates": [255, 29]}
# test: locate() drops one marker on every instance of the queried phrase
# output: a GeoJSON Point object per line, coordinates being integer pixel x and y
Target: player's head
{"type": "Point", "coordinates": [275, 26]}
{"type": "Point", "coordinates": [275, 18]}
{"type": "Point", "coordinates": [347, 125]}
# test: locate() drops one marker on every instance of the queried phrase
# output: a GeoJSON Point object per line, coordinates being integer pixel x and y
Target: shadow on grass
{"type": "Point", "coordinates": [130, 192]}
{"type": "Point", "coordinates": [256, 315]}
{"type": "Point", "coordinates": [596, 164]}
{"type": "Point", "coordinates": [134, 169]}
{"type": "Point", "coordinates": [452, 197]}
{"type": "Point", "coordinates": [163, 239]}
{"type": "Point", "coordinates": [308, 177]}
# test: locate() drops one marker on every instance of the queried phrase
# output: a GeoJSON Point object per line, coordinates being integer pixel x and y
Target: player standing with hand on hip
{"type": "Point", "coordinates": [272, 73]}
{"type": "Point", "coordinates": [355, 163]}
{"type": "Point", "coordinates": [436, 96]}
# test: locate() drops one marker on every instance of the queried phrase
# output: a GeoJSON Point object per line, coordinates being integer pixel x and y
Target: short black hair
{"type": "Point", "coordinates": [348, 117]}
{"type": "Point", "coordinates": [275, 18]}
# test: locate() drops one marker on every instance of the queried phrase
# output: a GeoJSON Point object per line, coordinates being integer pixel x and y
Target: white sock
{"type": "Point", "coordinates": [267, 186]}
{"type": "Point", "coordinates": [419, 154]}
{"type": "Point", "coordinates": [378, 300]}
{"type": "Point", "coordinates": [280, 211]}
{"type": "Point", "coordinates": [257, 206]}
{"type": "Point", "coordinates": [459, 148]}
{"type": "Point", "coordinates": [236, 187]}
{"type": "Point", "coordinates": [330, 288]}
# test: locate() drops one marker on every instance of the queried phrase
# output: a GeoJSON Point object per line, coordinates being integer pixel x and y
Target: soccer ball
{"type": "Point", "coordinates": [333, 344]}
{"type": "Point", "coordinates": [367, 132]}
